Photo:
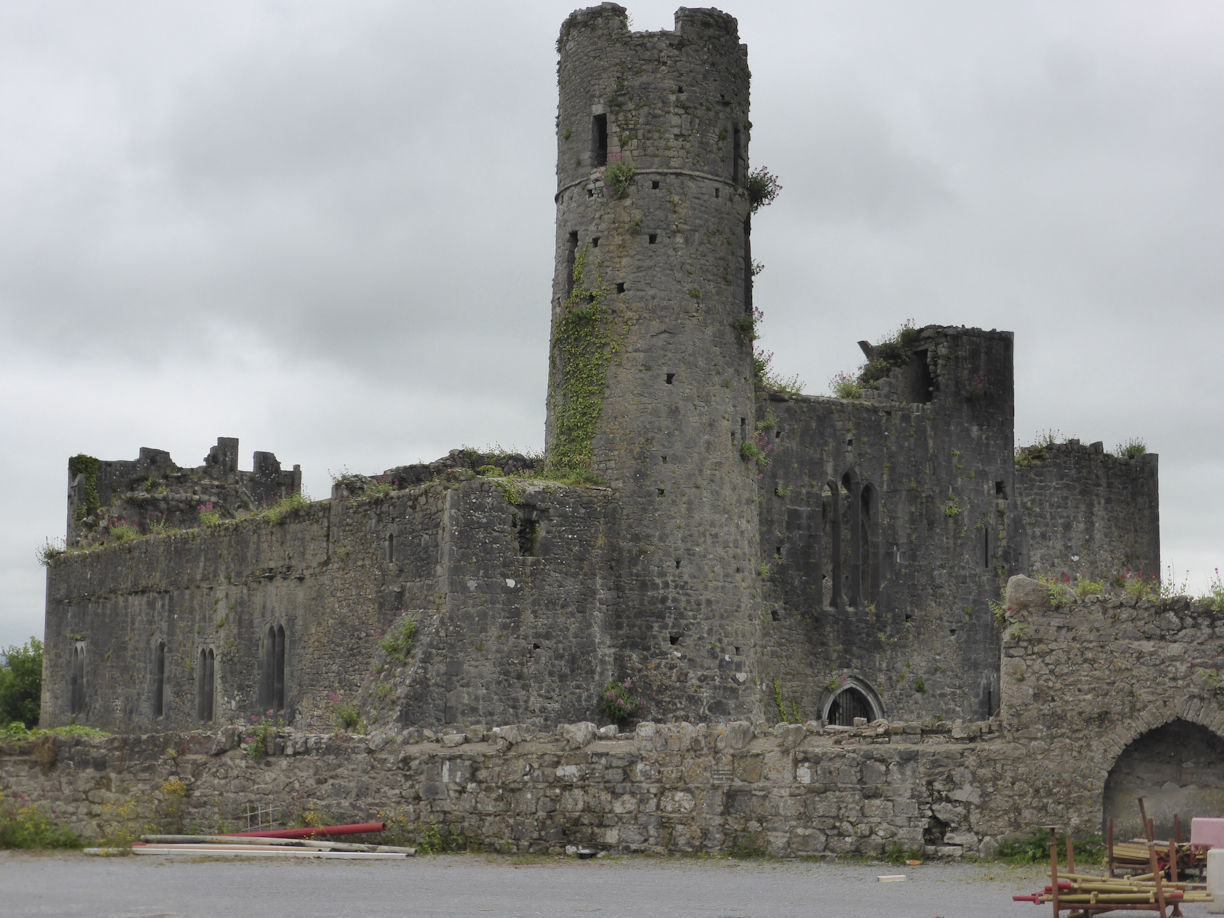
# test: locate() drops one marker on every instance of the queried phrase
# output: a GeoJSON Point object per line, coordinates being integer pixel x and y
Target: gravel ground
{"type": "Point", "coordinates": [151, 887]}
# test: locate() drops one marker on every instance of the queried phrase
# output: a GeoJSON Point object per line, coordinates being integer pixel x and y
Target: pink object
{"type": "Point", "coordinates": [1206, 832]}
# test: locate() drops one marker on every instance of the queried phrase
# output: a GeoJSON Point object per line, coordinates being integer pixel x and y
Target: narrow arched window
{"type": "Point", "coordinates": [272, 670]}
{"type": "Point", "coordinates": [853, 537]}
{"type": "Point", "coordinates": [869, 568]}
{"type": "Point", "coordinates": [278, 669]}
{"type": "Point", "coordinates": [159, 679]}
{"type": "Point", "coordinates": [205, 682]}
{"type": "Point", "coordinates": [76, 679]}
{"type": "Point", "coordinates": [834, 568]}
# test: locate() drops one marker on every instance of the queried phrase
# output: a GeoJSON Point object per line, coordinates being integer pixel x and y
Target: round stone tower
{"type": "Point", "coordinates": [651, 371]}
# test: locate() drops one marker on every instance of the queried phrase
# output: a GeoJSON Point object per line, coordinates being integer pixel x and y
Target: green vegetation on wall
{"type": "Point", "coordinates": [88, 466]}
{"type": "Point", "coordinates": [582, 348]}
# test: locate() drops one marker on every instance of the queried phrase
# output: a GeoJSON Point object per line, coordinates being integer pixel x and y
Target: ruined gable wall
{"type": "Point", "coordinates": [911, 615]}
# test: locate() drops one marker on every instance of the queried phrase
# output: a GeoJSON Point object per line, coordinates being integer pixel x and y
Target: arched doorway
{"type": "Point", "coordinates": [853, 698]}
{"type": "Point", "coordinates": [1177, 768]}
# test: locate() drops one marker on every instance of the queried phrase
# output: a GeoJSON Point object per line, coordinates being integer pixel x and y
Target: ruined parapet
{"type": "Point", "coordinates": [945, 365]}
{"type": "Point", "coordinates": [1087, 513]}
{"type": "Point", "coordinates": [152, 494]}
{"type": "Point", "coordinates": [651, 372]}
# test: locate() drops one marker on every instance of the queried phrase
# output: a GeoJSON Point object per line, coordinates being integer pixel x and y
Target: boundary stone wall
{"type": "Point", "coordinates": [791, 790]}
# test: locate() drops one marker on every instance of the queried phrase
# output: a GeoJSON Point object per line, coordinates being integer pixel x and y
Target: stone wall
{"type": "Point", "coordinates": [788, 791]}
{"type": "Point", "coordinates": [884, 530]}
{"type": "Point", "coordinates": [507, 582]}
{"type": "Point", "coordinates": [1087, 513]}
{"type": "Point", "coordinates": [1084, 682]}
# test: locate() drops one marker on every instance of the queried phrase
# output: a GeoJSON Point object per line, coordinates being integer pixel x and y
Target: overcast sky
{"type": "Point", "coordinates": [326, 228]}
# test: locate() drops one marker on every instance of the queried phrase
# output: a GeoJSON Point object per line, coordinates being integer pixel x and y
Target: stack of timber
{"type": "Point", "coordinates": [309, 842]}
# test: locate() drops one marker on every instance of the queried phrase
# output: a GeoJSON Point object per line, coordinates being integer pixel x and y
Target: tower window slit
{"type": "Point", "coordinates": [599, 140]}
{"type": "Point", "coordinates": [571, 257]}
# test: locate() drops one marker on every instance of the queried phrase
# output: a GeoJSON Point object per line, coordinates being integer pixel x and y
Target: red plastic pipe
{"type": "Point", "coordinates": [356, 828]}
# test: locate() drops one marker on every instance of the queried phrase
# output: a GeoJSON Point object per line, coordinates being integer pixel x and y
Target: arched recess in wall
{"type": "Point", "coordinates": [76, 679]}
{"type": "Point", "coordinates": [206, 680]}
{"type": "Point", "coordinates": [869, 531]}
{"type": "Point", "coordinates": [272, 670]}
{"type": "Point", "coordinates": [1176, 768]}
{"type": "Point", "coordinates": [851, 533]}
{"type": "Point", "coordinates": [853, 698]}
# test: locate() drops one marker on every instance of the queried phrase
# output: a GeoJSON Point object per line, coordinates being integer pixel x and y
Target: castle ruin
{"type": "Point", "coordinates": [740, 554]}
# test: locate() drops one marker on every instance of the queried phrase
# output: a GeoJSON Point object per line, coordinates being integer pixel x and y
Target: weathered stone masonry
{"type": "Point", "coordinates": [749, 556]}
{"type": "Point", "coordinates": [1086, 684]}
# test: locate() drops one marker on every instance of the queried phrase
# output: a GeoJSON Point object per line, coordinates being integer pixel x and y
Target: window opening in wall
{"type": "Point", "coordinates": [923, 381]}
{"type": "Point", "coordinates": [390, 546]}
{"type": "Point", "coordinates": [594, 242]}
{"type": "Point", "coordinates": [852, 519]}
{"type": "Point", "coordinates": [620, 286]}
{"type": "Point", "coordinates": [205, 680]}
{"type": "Point", "coordinates": [599, 140]}
{"type": "Point", "coordinates": [748, 265]}
{"type": "Point", "coordinates": [76, 679]}
{"type": "Point", "coordinates": [159, 679]}
{"type": "Point", "coordinates": [737, 155]}
{"type": "Point", "coordinates": [671, 378]}
{"type": "Point", "coordinates": [716, 192]}
{"type": "Point", "coordinates": [278, 670]}
{"type": "Point", "coordinates": [652, 238]}
{"type": "Point", "coordinates": [986, 549]}
{"type": "Point", "coordinates": [654, 185]}
{"type": "Point", "coordinates": [527, 532]}
{"type": "Point", "coordinates": [869, 573]}
{"type": "Point", "coordinates": [834, 520]}
{"type": "Point", "coordinates": [272, 682]}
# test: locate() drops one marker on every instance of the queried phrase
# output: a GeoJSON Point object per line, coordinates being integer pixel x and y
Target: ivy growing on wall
{"type": "Point", "coordinates": [88, 466]}
{"type": "Point", "coordinates": [582, 346]}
